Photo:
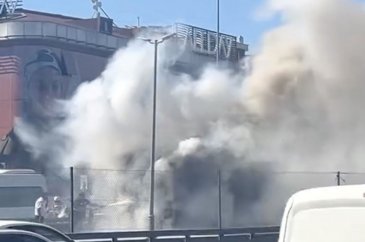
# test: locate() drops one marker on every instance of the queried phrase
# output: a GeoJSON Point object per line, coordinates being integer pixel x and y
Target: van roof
{"type": "Point", "coordinates": [8, 223]}
{"type": "Point", "coordinates": [17, 171]}
{"type": "Point", "coordinates": [352, 192]}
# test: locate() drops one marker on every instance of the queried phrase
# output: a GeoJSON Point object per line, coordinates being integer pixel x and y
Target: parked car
{"type": "Point", "coordinates": [41, 229]}
{"type": "Point", "coordinates": [12, 235]}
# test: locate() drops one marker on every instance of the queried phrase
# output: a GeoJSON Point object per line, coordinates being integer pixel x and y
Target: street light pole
{"type": "Point", "coordinates": [218, 42]}
{"type": "Point", "coordinates": [151, 216]}
{"type": "Point", "coordinates": [152, 190]}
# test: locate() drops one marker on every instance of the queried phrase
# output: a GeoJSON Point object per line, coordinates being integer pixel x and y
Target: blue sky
{"type": "Point", "coordinates": [238, 17]}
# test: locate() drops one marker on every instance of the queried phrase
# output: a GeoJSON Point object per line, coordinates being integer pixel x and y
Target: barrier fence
{"type": "Point", "coordinates": [234, 234]}
{"type": "Point", "coordinates": [118, 200]}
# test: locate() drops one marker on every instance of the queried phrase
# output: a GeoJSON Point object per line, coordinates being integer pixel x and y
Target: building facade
{"type": "Point", "coordinates": [45, 56]}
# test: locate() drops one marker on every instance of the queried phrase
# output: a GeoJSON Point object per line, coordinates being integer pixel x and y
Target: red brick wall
{"type": "Point", "coordinates": [9, 92]}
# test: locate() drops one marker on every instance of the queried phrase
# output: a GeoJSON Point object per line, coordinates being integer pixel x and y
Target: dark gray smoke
{"type": "Point", "coordinates": [194, 185]}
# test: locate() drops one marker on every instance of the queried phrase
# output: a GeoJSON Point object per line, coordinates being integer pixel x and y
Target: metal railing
{"type": "Point", "coordinates": [253, 234]}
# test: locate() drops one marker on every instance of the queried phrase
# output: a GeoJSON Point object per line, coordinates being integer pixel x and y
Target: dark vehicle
{"type": "Point", "coordinates": [12, 235]}
{"type": "Point", "coordinates": [46, 231]}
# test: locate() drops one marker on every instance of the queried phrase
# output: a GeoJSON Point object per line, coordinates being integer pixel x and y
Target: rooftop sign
{"type": "Point", "coordinates": [204, 41]}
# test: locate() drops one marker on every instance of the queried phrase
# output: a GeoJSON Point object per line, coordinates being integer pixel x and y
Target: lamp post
{"type": "Point", "coordinates": [218, 23]}
{"type": "Point", "coordinates": [155, 42]}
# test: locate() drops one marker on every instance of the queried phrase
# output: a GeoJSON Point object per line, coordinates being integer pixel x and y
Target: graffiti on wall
{"type": "Point", "coordinates": [46, 80]}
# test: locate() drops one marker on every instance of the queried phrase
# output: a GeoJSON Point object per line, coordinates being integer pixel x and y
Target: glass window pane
{"type": "Point", "coordinates": [33, 28]}
{"type": "Point", "coordinates": [91, 37]}
{"type": "Point", "coordinates": [49, 29]}
{"type": "Point", "coordinates": [81, 35]}
{"type": "Point", "coordinates": [19, 196]}
{"type": "Point", "coordinates": [61, 31]}
{"type": "Point", "coordinates": [15, 28]}
{"type": "Point", "coordinates": [3, 30]}
{"type": "Point", "coordinates": [102, 39]}
{"type": "Point", "coordinates": [71, 33]}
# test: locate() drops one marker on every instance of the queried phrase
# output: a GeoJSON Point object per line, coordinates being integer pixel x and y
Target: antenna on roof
{"type": "Point", "coordinates": [8, 7]}
{"type": "Point", "coordinates": [98, 6]}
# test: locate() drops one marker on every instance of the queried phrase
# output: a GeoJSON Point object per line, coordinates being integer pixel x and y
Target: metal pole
{"type": "Point", "coordinates": [72, 199]}
{"type": "Point", "coordinates": [219, 200]}
{"type": "Point", "coordinates": [338, 176]}
{"type": "Point", "coordinates": [152, 190]}
{"type": "Point", "coordinates": [218, 42]}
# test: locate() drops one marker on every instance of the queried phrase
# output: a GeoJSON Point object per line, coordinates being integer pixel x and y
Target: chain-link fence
{"type": "Point", "coordinates": [59, 199]}
{"type": "Point", "coordinates": [101, 200]}
{"type": "Point", "coordinates": [110, 199]}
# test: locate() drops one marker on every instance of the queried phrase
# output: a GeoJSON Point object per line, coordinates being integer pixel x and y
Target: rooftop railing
{"type": "Point", "coordinates": [61, 32]}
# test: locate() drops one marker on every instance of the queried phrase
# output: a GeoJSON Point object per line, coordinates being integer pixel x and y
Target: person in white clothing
{"type": "Point", "coordinates": [40, 208]}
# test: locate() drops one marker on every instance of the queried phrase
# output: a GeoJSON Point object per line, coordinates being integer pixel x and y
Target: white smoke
{"type": "Point", "coordinates": [300, 108]}
{"type": "Point", "coordinates": [308, 83]}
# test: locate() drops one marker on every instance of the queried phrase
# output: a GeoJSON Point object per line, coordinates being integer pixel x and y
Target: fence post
{"type": "Point", "coordinates": [338, 176]}
{"type": "Point", "coordinates": [219, 202]}
{"type": "Point", "coordinates": [72, 199]}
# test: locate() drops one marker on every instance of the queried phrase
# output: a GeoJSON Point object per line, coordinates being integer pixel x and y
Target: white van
{"type": "Point", "coordinates": [329, 214]}
{"type": "Point", "coordinates": [19, 189]}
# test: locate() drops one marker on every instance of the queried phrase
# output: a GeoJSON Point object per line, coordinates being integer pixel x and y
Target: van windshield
{"type": "Point", "coordinates": [19, 196]}
{"type": "Point", "coordinates": [337, 224]}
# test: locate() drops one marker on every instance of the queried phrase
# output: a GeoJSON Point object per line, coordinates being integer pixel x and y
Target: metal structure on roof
{"type": "Point", "coordinates": [97, 7]}
{"type": "Point", "coordinates": [8, 8]}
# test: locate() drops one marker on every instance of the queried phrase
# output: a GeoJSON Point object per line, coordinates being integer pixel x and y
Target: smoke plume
{"type": "Point", "coordinates": [299, 108]}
